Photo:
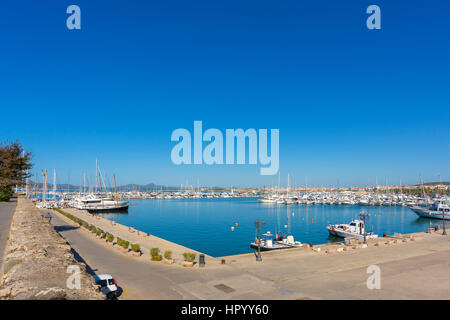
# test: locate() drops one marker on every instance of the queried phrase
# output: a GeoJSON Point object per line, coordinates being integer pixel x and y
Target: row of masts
{"type": "Point", "coordinates": [83, 190]}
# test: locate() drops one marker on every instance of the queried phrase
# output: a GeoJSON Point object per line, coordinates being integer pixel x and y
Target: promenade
{"type": "Point", "coordinates": [409, 270]}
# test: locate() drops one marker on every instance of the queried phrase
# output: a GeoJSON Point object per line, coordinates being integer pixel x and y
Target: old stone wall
{"type": "Point", "coordinates": [37, 261]}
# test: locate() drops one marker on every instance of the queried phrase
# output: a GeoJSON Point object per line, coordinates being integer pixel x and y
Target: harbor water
{"type": "Point", "coordinates": [220, 227]}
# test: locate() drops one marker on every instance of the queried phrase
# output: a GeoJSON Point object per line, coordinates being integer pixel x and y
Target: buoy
{"type": "Point", "coordinates": [285, 225]}
{"type": "Point", "coordinates": [237, 224]}
{"type": "Point", "coordinates": [232, 228]}
{"type": "Point", "coordinates": [287, 218]}
{"type": "Point", "coordinates": [312, 220]}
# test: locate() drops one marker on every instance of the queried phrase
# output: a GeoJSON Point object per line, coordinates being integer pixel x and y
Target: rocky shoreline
{"type": "Point", "coordinates": [37, 261]}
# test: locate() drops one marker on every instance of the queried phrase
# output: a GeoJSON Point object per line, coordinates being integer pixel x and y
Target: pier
{"type": "Point", "coordinates": [413, 266]}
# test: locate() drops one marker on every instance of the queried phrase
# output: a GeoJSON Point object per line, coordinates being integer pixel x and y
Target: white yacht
{"type": "Point", "coordinates": [99, 203]}
{"type": "Point", "coordinates": [438, 210]}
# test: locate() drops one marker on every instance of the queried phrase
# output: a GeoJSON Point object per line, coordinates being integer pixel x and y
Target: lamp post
{"type": "Point", "coordinates": [444, 232]}
{"type": "Point", "coordinates": [363, 216]}
{"type": "Point", "coordinates": [258, 227]}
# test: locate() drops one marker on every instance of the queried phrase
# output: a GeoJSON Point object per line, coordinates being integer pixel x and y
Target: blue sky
{"type": "Point", "coordinates": [351, 103]}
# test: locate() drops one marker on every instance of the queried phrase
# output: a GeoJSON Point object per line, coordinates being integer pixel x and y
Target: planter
{"type": "Point", "coordinates": [136, 254]}
{"type": "Point", "coordinates": [168, 261]}
{"type": "Point", "coordinates": [187, 264]}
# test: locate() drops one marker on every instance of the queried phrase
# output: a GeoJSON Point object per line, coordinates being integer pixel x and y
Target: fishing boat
{"type": "Point", "coordinates": [355, 229]}
{"type": "Point", "coordinates": [438, 210]}
{"type": "Point", "coordinates": [269, 244]}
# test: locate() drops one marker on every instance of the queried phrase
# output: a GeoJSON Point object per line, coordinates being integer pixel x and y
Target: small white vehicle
{"type": "Point", "coordinates": [107, 284]}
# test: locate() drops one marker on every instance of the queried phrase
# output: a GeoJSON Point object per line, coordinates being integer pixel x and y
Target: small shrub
{"type": "Point", "coordinates": [158, 257]}
{"type": "Point", "coordinates": [125, 244]}
{"type": "Point", "coordinates": [189, 257]}
{"type": "Point", "coordinates": [119, 241]}
{"type": "Point", "coordinates": [168, 254]}
{"type": "Point", "coordinates": [110, 238]}
{"type": "Point", "coordinates": [6, 193]}
{"type": "Point", "coordinates": [103, 235]}
{"type": "Point", "coordinates": [135, 247]}
{"type": "Point", "coordinates": [98, 232]}
{"type": "Point", "coordinates": [154, 251]}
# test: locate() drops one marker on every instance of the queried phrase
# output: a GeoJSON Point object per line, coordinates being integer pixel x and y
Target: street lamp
{"type": "Point", "coordinates": [258, 227]}
{"type": "Point", "coordinates": [363, 217]}
{"type": "Point", "coordinates": [444, 232]}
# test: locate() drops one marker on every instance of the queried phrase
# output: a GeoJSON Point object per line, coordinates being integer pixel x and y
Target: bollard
{"type": "Point", "coordinates": [201, 260]}
{"type": "Point", "coordinates": [222, 261]}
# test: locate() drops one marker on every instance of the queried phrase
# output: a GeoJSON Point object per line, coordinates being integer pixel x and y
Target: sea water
{"type": "Point", "coordinates": [225, 226]}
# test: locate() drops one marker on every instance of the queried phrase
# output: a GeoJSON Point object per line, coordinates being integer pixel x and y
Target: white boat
{"type": "Point", "coordinates": [355, 229]}
{"type": "Point", "coordinates": [438, 210]}
{"type": "Point", "coordinates": [95, 203]}
{"type": "Point", "coordinates": [268, 244]}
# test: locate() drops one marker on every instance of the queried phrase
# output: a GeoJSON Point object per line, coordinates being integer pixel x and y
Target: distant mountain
{"type": "Point", "coordinates": [127, 187]}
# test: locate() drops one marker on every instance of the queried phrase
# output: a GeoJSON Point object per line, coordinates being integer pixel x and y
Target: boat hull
{"type": "Point", "coordinates": [424, 213]}
{"type": "Point", "coordinates": [345, 234]}
{"type": "Point", "coordinates": [108, 209]}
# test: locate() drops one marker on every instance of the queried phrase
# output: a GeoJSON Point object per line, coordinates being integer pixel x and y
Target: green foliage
{"type": "Point", "coordinates": [119, 241]}
{"type": "Point", "coordinates": [14, 164]}
{"type": "Point", "coordinates": [154, 251]}
{"type": "Point", "coordinates": [157, 257]}
{"type": "Point", "coordinates": [168, 254]}
{"type": "Point", "coordinates": [6, 193]}
{"type": "Point", "coordinates": [135, 247]}
{"type": "Point", "coordinates": [110, 237]}
{"type": "Point", "coordinates": [189, 257]}
{"type": "Point", "coordinates": [125, 244]}
{"type": "Point", "coordinates": [103, 235]}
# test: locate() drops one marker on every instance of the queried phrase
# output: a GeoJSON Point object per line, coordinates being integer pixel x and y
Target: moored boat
{"type": "Point", "coordinates": [355, 229]}
{"type": "Point", "coordinates": [438, 210]}
{"type": "Point", "coordinates": [268, 244]}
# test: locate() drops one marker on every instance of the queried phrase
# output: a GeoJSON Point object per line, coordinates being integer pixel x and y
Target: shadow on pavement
{"type": "Point", "coordinates": [65, 228]}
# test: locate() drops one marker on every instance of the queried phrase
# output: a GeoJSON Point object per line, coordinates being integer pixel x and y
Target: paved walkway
{"type": "Point", "coordinates": [6, 213]}
{"type": "Point", "coordinates": [412, 270]}
{"type": "Point", "coordinates": [135, 236]}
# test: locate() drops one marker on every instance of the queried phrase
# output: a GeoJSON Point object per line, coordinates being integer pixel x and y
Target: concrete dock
{"type": "Point", "coordinates": [410, 269]}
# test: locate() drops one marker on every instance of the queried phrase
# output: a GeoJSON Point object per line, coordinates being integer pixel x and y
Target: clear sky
{"type": "Point", "coordinates": [351, 104]}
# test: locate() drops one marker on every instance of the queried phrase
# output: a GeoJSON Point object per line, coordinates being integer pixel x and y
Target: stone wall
{"type": "Point", "coordinates": [37, 259]}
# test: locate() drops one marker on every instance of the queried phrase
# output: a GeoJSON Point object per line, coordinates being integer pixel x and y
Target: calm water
{"type": "Point", "coordinates": [205, 224]}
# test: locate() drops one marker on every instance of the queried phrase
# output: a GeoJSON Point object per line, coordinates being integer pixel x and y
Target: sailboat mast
{"type": "Point", "coordinates": [101, 190]}
{"type": "Point", "coordinates": [115, 189]}
{"type": "Point", "coordinates": [54, 184]}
